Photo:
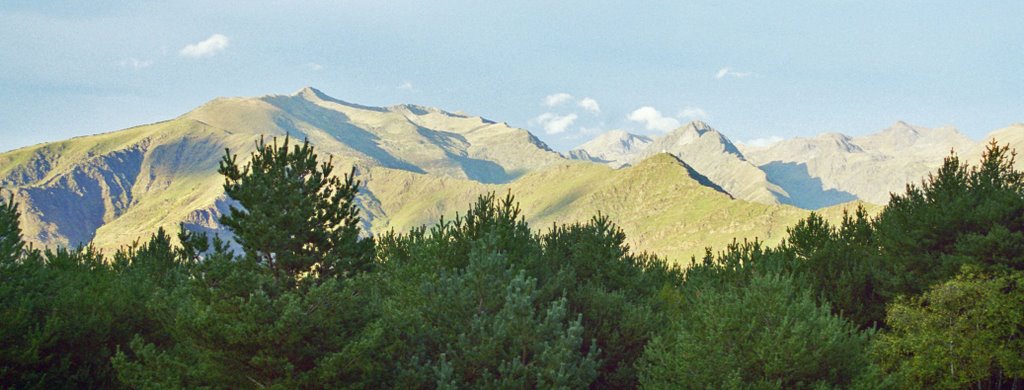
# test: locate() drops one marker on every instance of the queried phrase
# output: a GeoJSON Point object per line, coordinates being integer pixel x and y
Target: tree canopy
{"type": "Point", "coordinates": [927, 294]}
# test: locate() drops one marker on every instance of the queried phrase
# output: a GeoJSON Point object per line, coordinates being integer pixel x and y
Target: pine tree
{"type": "Point", "coordinates": [240, 322]}
{"type": "Point", "coordinates": [11, 243]}
{"type": "Point", "coordinates": [295, 216]}
{"type": "Point", "coordinates": [960, 215]}
{"type": "Point", "coordinates": [766, 334]}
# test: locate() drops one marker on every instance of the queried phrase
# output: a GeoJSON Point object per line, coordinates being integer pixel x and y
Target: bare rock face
{"type": "Point", "coordinates": [716, 157]}
{"type": "Point", "coordinates": [701, 147]}
{"type": "Point", "coordinates": [616, 148]}
{"type": "Point", "coordinates": [420, 163]}
{"type": "Point", "coordinates": [109, 189]}
{"type": "Point", "coordinates": [868, 168]}
{"type": "Point", "coordinates": [1012, 136]}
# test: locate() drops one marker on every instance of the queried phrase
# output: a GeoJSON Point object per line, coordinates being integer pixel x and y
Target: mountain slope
{"type": "Point", "coordinates": [663, 205]}
{"type": "Point", "coordinates": [713, 155]}
{"type": "Point", "coordinates": [1012, 136]}
{"type": "Point", "coordinates": [401, 137]}
{"type": "Point", "coordinates": [659, 202]}
{"type": "Point", "coordinates": [70, 189]}
{"type": "Point", "coordinates": [833, 168]}
{"type": "Point", "coordinates": [417, 164]}
{"type": "Point", "coordinates": [107, 187]}
{"type": "Point", "coordinates": [615, 148]}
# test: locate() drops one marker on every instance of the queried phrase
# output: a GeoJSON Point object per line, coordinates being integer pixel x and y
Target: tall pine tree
{"type": "Point", "coordinates": [295, 216]}
{"type": "Point", "coordinates": [11, 243]}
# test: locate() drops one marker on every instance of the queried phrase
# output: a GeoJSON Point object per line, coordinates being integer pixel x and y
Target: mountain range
{"type": "Point", "coordinates": [809, 173]}
{"type": "Point", "coordinates": [673, 195]}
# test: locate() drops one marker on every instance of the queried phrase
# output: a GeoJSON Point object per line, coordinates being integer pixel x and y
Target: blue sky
{"type": "Point", "coordinates": [566, 70]}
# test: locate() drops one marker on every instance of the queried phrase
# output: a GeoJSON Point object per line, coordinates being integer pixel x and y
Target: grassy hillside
{"type": "Point", "coordinates": [112, 188]}
{"type": "Point", "coordinates": [663, 205]}
{"type": "Point", "coordinates": [417, 165]}
{"type": "Point", "coordinates": [659, 204]}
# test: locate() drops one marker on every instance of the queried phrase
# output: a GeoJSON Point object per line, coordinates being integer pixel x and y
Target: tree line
{"type": "Point", "coordinates": [927, 294]}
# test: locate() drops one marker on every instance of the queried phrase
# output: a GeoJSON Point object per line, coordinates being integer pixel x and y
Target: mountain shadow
{"type": "Point", "coordinates": [484, 171]}
{"type": "Point", "coordinates": [337, 125]}
{"type": "Point", "coordinates": [703, 180]}
{"type": "Point", "coordinates": [805, 191]}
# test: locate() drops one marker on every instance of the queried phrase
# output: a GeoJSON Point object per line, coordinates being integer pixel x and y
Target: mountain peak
{"type": "Point", "coordinates": [661, 158]}
{"type": "Point", "coordinates": [699, 131]}
{"type": "Point", "coordinates": [309, 91]}
{"type": "Point", "coordinates": [315, 95]}
{"type": "Point", "coordinates": [661, 161]}
{"type": "Point", "coordinates": [699, 125]}
{"type": "Point", "coordinates": [905, 129]}
{"type": "Point", "coordinates": [615, 146]}
{"type": "Point", "coordinates": [617, 133]}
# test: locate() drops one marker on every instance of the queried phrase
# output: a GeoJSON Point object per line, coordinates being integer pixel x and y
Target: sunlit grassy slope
{"type": "Point", "coordinates": [659, 203]}
{"type": "Point", "coordinates": [417, 164]}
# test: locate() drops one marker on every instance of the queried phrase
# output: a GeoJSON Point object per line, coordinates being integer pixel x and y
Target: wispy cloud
{"type": "Point", "coordinates": [693, 113]}
{"type": "Point", "coordinates": [406, 86]}
{"type": "Point", "coordinates": [208, 47]}
{"type": "Point", "coordinates": [763, 142]}
{"type": "Point", "coordinates": [557, 99]}
{"type": "Point", "coordinates": [313, 66]}
{"type": "Point", "coordinates": [728, 72]}
{"type": "Point", "coordinates": [591, 131]}
{"type": "Point", "coordinates": [589, 104]}
{"type": "Point", "coordinates": [135, 63]}
{"type": "Point", "coordinates": [653, 120]}
{"type": "Point", "coordinates": [555, 124]}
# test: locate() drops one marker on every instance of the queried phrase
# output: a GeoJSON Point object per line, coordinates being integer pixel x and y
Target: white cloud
{"type": "Point", "coordinates": [693, 113]}
{"type": "Point", "coordinates": [726, 72]}
{"type": "Point", "coordinates": [406, 86]}
{"type": "Point", "coordinates": [589, 104]}
{"type": "Point", "coordinates": [653, 120]}
{"type": "Point", "coordinates": [592, 130]}
{"type": "Point", "coordinates": [557, 99]}
{"type": "Point", "coordinates": [553, 123]}
{"type": "Point", "coordinates": [209, 47]}
{"type": "Point", "coordinates": [314, 66]}
{"type": "Point", "coordinates": [135, 63]}
{"type": "Point", "coordinates": [763, 142]}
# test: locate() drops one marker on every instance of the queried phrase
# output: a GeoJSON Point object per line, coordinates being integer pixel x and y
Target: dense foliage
{"type": "Point", "coordinates": [928, 294]}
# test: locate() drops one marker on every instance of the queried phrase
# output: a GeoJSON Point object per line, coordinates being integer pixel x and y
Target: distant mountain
{"type": "Point", "coordinates": [833, 168]}
{"type": "Point", "coordinates": [414, 138]}
{"type": "Point", "coordinates": [112, 188]}
{"type": "Point", "coordinates": [616, 148]}
{"type": "Point", "coordinates": [663, 205]}
{"type": "Point", "coordinates": [715, 156]}
{"type": "Point", "coordinates": [705, 149]}
{"type": "Point", "coordinates": [1012, 135]}
{"type": "Point", "coordinates": [416, 163]}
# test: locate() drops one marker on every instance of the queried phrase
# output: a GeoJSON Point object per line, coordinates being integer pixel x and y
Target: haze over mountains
{"type": "Point", "coordinates": [809, 173]}
{"type": "Point", "coordinates": [868, 167]}
{"type": "Point", "coordinates": [672, 194]}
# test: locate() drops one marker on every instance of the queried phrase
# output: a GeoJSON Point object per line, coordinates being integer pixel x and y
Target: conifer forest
{"type": "Point", "coordinates": [927, 293]}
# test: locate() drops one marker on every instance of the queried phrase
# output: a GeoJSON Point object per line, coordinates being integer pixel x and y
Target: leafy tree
{"type": "Point", "coordinates": [295, 216]}
{"type": "Point", "coordinates": [965, 333]}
